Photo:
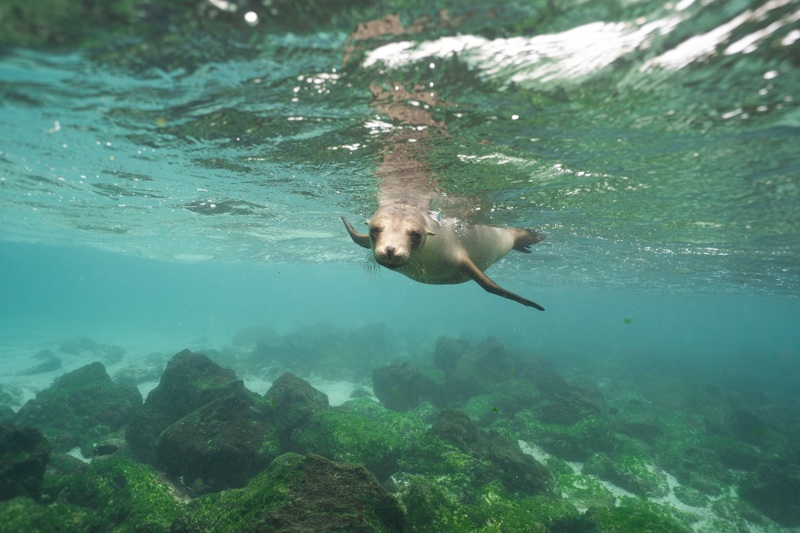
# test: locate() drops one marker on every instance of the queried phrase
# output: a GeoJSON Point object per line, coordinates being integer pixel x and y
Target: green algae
{"type": "Point", "coordinates": [630, 472]}
{"type": "Point", "coordinates": [130, 496]}
{"type": "Point", "coordinates": [24, 514]}
{"type": "Point", "coordinates": [297, 493]}
{"type": "Point", "coordinates": [636, 514]}
{"type": "Point", "coordinates": [352, 438]}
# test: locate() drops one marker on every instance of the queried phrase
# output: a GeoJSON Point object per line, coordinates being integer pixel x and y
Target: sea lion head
{"type": "Point", "coordinates": [396, 232]}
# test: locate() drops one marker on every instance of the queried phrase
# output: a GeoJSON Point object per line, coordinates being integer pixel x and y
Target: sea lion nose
{"type": "Point", "coordinates": [390, 250]}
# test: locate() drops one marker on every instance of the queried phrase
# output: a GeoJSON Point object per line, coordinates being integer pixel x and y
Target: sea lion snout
{"type": "Point", "coordinates": [390, 254]}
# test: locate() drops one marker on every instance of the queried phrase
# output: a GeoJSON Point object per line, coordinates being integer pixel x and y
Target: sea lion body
{"type": "Point", "coordinates": [410, 241]}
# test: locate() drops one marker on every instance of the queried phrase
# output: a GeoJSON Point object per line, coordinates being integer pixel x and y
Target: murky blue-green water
{"type": "Point", "coordinates": [155, 191]}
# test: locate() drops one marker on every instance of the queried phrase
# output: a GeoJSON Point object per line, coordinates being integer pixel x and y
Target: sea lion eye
{"type": "Point", "coordinates": [374, 231]}
{"type": "Point", "coordinates": [416, 237]}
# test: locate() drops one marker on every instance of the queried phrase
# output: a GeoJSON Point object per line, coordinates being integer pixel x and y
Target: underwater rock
{"type": "Point", "coordinates": [297, 493]}
{"type": "Point", "coordinates": [326, 351]}
{"type": "Point", "coordinates": [44, 355]}
{"type": "Point", "coordinates": [734, 453]}
{"type": "Point", "coordinates": [568, 405]}
{"type": "Point", "coordinates": [48, 365]}
{"type": "Point", "coordinates": [634, 514]}
{"type": "Point", "coordinates": [128, 496]}
{"type": "Point", "coordinates": [690, 496]}
{"type": "Point", "coordinates": [576, 442]}
{"type": "Point", "coordinates": [773, 489]}
{"type": "Point", "coordinates": [10, 395]}
{"type": "Point", "coordinates": [64, 478]}
{"type": "Point", "coordinates": [697, 467]}
{"type": "Point", "coordinates": [448, 352]}
{"type": "Point", "coordinates": [517, 471]}
{"type": "Point", "coordinates": [748, 427]}
{"type": "Point", "coordinates": [24, 514]}
{"type": "Point", "coordinates": [488, 408]}
{"type": "Point", "coordinates": [628, 471]}
{"type": "Point", "coordinates": [190, 381]}
{"type": "Point", "coordinates": [352, 437]}
{"type": "Point", "coordinates": [149, 369]}
{"type": "Point", "coordinates": [401, 387]}
{"type": "Point", "coordinates": [7, 415]}
{"type": "Point", "coordinates": [80, 408]}
{"type": "Point", "coordinates": [218, 446]}
{"type": "Point", "coordinates": [24, 453]}
{"type": "Point", "coordinates": [293, 402]}
{"type": "Point", "coordinates": [107, 352]}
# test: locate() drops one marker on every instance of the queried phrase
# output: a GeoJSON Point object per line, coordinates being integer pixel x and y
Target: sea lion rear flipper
{"type": "Point", "coordinates": [469, 268]}
{"type": "Point", "coordinates": [361, 239]}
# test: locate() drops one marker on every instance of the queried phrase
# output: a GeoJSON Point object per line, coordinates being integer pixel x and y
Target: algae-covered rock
{"type": "Point", "coordinates": [488, 408]}
{"type": "Point", "coordinates": [129, 496]}
{"type": "Point", "coordinates": [81, 408]}
{"type": "Point", "coordinates": [401, 387]}
{"type": "Point", "coordinates": [575, 442]}
{"type": "Point", "coordinates": [353, 438]}
{"type": "Point", "coordinates": [430, 509]}
{"type": "Point", "coordinates": [87, 348]}
{"type": "Point", "coordinates": [581, 490]}
{"type": "Point", "coordinates": [10, 395]}
{"type": "Point", "coordinates": [24, 453]}
{"type": "Point", "coordinates": [298, 493]}
{"type": "Point", "coordinates": [569, 405]}
{"type": "Point", "coordinates": [773, 489]}
{"type": "Point", "coordinates": [148, 369]}
{"type": "Point", "coordinates": [636, 515]}
{"type": "Point", "coordinates": [65, 478]}
{"type": "Point", "coordinates": [629, 471]}
{"type": "Point", "coordinates": [697, 467]}
{"type": "Point", "coordinates": [690, 496]}
{"type": "Point", "coordinates": [218, 446]}
{"type": "Point", "coordinates": [516, 470]}
{"type": "Point", "coordinates": [293, 401]}
{"type": "Point", "coordinates": [190, 381]}
{"type": "Point", "coordinates": [23, 514]}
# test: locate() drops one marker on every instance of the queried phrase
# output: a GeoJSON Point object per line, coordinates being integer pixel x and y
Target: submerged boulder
{"type": "Point", "coordinates": [203, 427]}
{"type": "Point", "coordinates": [298, 493]}
{"type": "Point", "coordinates": [773, 488]}
{"type": "Point", "coordinates": [516, 470]}
{"type": "Point", "coordinates": [220, 445]}
{"type": "Point", "coordinates": [293, 401]}
{"type": "Point", "coordinates": [81, 408]}
{"type": "Point", "coordinates": [24, 453]}
{"type": "Point", "coordinates": [401, 387]}
{"type": "Point", "coordinates": [190, 381]}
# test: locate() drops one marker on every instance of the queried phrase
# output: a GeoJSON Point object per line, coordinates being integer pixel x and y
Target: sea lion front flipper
{"type": "Point", "coordinates": [469, 268]}
{"type": "Point", "coordinates": [523, 238]}
{"type": "Point", "coordinates": [361, 239]}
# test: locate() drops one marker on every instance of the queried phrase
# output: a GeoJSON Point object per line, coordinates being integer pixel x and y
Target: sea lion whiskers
{"type": "Point", "coordinates": [371, 266]}
{"type": "Point", "coordinates": [417, 268]}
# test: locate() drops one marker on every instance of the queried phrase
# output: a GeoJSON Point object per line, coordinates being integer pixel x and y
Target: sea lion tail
{"type": "Point", "coordinates": [523, 238]}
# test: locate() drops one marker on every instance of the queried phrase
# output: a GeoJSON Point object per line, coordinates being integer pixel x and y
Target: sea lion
{"type": "Point", "coordinates": [409, 240]}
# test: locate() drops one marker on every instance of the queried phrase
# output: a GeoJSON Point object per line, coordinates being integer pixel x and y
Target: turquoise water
{"type": "Point", "coordinates": [159, 192]}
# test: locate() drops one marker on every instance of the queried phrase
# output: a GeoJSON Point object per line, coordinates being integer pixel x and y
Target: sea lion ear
{"type": "Point", "coordinates": [431, 233]}
{"type": "Point", "coordinates": [361, 239]}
